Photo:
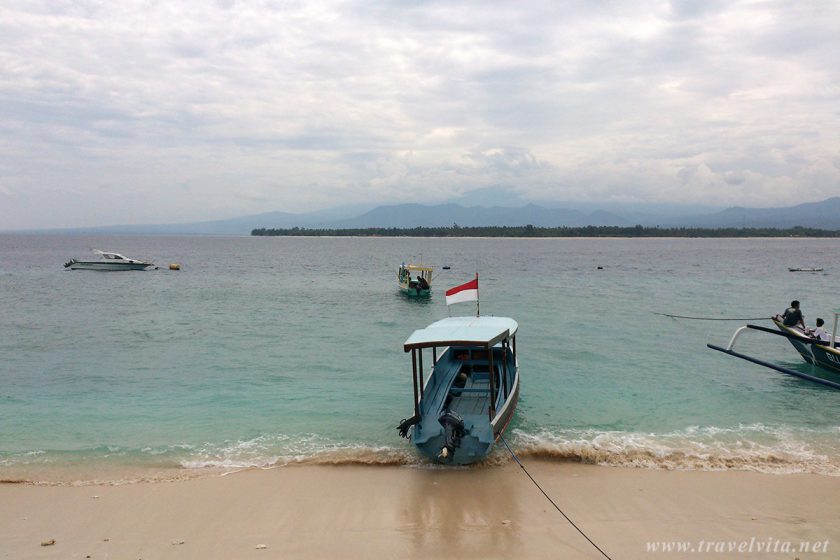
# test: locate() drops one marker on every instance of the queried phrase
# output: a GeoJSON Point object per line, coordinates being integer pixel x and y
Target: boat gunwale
{"type": "Point", "coordinates": [804, 339]}
{"type": "Point", "coordinates": [512, 396]}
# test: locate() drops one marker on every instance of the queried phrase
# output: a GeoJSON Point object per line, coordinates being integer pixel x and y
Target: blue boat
{"type": "Point", "coordinates": [471, 391]}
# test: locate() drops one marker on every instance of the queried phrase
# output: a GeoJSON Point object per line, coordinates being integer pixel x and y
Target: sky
{"type": "Point", "coordinates": [165, 112]}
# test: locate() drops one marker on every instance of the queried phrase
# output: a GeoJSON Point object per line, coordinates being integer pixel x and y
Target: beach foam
{"type": "Point", "coordinates": [755, 447]}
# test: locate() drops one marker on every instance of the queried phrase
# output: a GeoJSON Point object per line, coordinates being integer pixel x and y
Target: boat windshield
{"type": "Point", "coordinates": [113, 256]}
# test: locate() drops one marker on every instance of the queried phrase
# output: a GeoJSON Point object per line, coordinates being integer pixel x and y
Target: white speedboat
{"type": "Point", "coordinates": [109, 261]}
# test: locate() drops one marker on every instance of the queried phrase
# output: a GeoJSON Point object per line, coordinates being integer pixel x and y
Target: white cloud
{"type": "Point", "coordinates": [194, 110]}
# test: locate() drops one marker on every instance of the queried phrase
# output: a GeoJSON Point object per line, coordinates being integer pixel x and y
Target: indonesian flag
{"type": "Point", "coordinates": [464, 292]}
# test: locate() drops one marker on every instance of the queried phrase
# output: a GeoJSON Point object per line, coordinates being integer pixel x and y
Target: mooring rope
{"type": "Point", "coordinates": [515, 458]}
{"type": "Point", "coordinates": [713, 318]}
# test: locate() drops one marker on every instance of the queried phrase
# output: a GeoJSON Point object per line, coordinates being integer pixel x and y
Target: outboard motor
{"type": "Point", "coordinates": [453, 425]}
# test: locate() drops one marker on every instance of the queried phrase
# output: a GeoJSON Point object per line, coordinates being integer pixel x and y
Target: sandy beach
{"type": "Point", "coordinates": [405, 512]}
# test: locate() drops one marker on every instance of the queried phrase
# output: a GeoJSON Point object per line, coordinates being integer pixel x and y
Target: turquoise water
{"type": "Point", "coordinates": [265, 351]}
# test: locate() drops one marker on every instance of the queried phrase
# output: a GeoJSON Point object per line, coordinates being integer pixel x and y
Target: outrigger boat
{"type": "Point", "coordinates": [419, 286]}
{"type": "Point", "coordinates": [471, 391]}
{"type": "Point", "coordinates": [110, 261]}
{"type": "Point", "coordinates": [823, 353]}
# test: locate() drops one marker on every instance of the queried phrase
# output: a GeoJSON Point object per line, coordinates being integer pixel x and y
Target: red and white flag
{"type": "Point", "coordinates": [464, 292]}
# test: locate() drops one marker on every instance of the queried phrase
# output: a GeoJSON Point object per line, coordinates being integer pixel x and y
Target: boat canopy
{"type": "Point", "coordinates": [463, 331]}
{"type": "Point", "coordinates": [418, 267]}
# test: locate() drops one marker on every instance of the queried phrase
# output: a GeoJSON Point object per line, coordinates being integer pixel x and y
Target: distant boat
{"type": "Point", "coordinates": [805, 269]}
{"type": "Point", "coordinates": [110, 261]}
{"type": "Point", "coordinates": [472, 389]}
{"type": "Point", "coordinates": [415, 280]}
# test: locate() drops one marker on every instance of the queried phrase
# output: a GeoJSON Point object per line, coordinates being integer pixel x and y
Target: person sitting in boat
{"type": "Point", "coordinates": [461, 379]}
{"type": "Point", "coordinates": [421, 283]}
{"type": "Point", "coordinates": [820, 333]}
{"type": "Point", "coordinates": [793, 316]}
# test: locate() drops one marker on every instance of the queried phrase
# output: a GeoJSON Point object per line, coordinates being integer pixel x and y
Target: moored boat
{"type": "Point", "coordinates": [822, 353]}
{"type": "Point", "coordinates": [471, 391]}
{"type": "Point", "coordinates": [109, 261]}
{"type": "Point", "coordinates": [415, 280]}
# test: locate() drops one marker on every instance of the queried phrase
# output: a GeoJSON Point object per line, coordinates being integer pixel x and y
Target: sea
{"type": "Point", "coordinates": [262, 352]}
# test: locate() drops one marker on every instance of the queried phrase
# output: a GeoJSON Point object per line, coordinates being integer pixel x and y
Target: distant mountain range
{"type": "Point", "coordinates": [442, 215]}
{"type": "Point", "coordinates": [823, 215]}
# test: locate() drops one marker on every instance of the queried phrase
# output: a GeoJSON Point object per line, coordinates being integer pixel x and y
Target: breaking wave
{"type": "Point", "coordinates": [755, 447]}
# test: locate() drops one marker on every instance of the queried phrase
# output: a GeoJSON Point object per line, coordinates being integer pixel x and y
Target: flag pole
{"type": "Point", "coordinates": [477, 308]}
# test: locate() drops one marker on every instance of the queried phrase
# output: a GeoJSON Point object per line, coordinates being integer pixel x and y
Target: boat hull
{"type": "Point", "coordinates": [415, 292]}
{"type": "Point", "coordinates": [106, 266]}
{"type": "Point", "coordinates": [409, 284]}
{"type": "Point", "coordinates": [816, 354]}
{"type": "Point", "coordinates": [473, 448]}
{"type": "Point", "coordinates": [481, 433]}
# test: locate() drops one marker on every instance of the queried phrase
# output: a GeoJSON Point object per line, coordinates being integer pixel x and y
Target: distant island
{"type": "Point", "coordinates": [534, 231]}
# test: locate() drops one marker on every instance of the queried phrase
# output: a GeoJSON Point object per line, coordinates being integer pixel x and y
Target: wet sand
{"type": "Point", "coordinates": [404, 512]}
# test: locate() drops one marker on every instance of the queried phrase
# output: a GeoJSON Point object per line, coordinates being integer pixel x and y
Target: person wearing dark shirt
{"type": "Point", "coordinates": [793, 316]}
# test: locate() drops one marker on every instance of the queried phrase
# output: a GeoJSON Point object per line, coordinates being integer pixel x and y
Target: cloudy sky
{"type": "Point", "coordinates": [159, 112]}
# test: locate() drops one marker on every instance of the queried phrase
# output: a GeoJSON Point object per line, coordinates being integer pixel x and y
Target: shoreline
{"type": "Point", "coordinates": [98, 474]}
{"type": "Point", "coordinates": [750, 448]}
{"type": "Point", "coordinates": [249, 235]}
{"type": "Point", "coordinates": [317, 511]}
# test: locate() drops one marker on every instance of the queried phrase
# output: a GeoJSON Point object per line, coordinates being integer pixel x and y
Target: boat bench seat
{"type": "Point", "coordinates": [463, 390]}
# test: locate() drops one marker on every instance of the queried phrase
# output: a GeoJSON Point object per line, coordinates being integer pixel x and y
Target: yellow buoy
{"type": "Point", "coordinates": [174, 266]}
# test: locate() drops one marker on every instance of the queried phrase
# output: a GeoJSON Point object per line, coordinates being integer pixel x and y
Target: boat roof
{"type": "Point", "coordinates": [418, 267]}
{"type": "Point", "coordinates": [463, 331]}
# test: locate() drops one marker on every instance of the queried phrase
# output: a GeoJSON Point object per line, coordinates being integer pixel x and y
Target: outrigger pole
{"type": "Point", "coordinates": [793, 372]}
{"type": "Point", "coordinates": [788, 371]}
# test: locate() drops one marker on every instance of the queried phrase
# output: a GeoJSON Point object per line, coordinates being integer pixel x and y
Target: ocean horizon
{"type": "Point", "coordinates": [267, 351]}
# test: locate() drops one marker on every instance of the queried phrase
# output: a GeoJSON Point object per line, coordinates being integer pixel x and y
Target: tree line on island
{"type": "Point", "coordinates": [533, 231]}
